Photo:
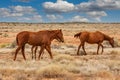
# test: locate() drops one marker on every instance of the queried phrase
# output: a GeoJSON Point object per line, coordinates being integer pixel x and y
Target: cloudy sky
{"type": "Point", "coordinates": [59, 11]}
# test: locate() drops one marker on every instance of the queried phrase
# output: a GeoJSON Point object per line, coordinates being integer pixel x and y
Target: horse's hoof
{"type": "Point", "coordinates": [41, 57]}
{"type": "Point", "coordinates": [25, 59]}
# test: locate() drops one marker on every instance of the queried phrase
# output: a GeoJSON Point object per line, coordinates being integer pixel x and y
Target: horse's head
{"type": "Point", "coordinates": [111, 41]}
{"type": "Point", "coordinates": [59, 36]}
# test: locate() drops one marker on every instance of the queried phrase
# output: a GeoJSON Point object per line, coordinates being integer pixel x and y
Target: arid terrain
{"type": "Point", "coordinates": [66, 65]}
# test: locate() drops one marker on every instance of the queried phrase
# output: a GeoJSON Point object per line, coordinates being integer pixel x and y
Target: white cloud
{"type": "Point", "coordinates": [97, 15]}
{"type": "Point", "coordinates": [98, 5]}
{"type": "Point", "coordinates": [8, 13]}
{"type": "Point", "coordinates": [96, 8]}
{"type": "Point", "coordinates": [79, 19]}
{"type": "Point", "coordinates": [16, 11]}
{"type": "Point", "coordinates": [34, 18]}
{"type": "Point", "coordinates": [37, 18]}
{"type": "Point", "coordinates": [108, 4]}
{"type": "Point", "coordinates": [23, 9]}
{"type": "Point", "coordinates": [54, 17]}
{"type": "Point", "coordinates": [4, 12]}
{"type": "Point", "coordinates": [59, 7]}
{"type": "Point", "coordinates": [93, 8]}
{"type": "Point", "coordinates": [20, 13]}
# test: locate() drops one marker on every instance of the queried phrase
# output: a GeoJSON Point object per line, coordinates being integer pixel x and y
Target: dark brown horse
{"type": "Point", "coordinates": [40, 38]}
{"type": "Point", "coordinates": [93, 38]}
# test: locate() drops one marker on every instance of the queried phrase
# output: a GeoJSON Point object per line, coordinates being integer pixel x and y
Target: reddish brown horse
{"type": "Point", "coordinates": [93, 38]}
{"type": "Point", "coordinates": [40, 38]}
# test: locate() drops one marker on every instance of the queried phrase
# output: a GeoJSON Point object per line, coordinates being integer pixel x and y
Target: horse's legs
{"type": "Point", "coordinates": [35, 51]}
{"type": "Point", "coordinates": [98, 48]}
{"type": "Point", "coordinates": [78, 49]}
{"type": "Point", "coordinates": [41, 50]}
{"type": "Point", "coordinates": [42, 55]}
{"type": "Point", "coordinates": [17, 50]}
{"type": "Point", "coordinates": [32, 51]}
{"type": "Point", "coordinates": [23, 52]}
{"type": "Point", "coordinates": [102, 48]}
{"type": "Point", "coordinates": [49, 51]}
{"type": "Point", "coordinates": [84, 48]}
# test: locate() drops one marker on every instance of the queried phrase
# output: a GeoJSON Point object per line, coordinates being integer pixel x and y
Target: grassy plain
{"type": "Point", "coordinates": [66, 65]}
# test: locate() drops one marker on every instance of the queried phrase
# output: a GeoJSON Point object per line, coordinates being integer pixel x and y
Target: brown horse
{"type": "Point", "coordinates": [40, 38]}
{"type": "Point", "coordinates": [93, 38]}
{"type": "Point", "coordinates": [34, 50]}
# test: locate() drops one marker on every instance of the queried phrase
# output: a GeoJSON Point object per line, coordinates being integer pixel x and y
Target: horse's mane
{"type": "Point", "coordinates": [107, 37]}
{"type": "Point", "coordinates": [77, 35]}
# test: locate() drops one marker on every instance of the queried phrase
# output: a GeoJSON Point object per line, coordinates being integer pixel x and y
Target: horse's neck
{"type": "Point", "coordinates": [52, 35]}
{"type": "Point", "coordinates": [106, 37]}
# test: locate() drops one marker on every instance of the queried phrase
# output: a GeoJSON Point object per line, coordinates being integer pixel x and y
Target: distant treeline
{"type": "Point", "coordinates": [61, 23]}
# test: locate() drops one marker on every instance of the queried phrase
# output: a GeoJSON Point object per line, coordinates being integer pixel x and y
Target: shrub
{"type": "Point", "coordinates": [5, 35]}
{"type": "Point", "coordinates": [63, 57]}
{"type": "Point", "coordinates": [72, 68]}
{"type": "Point", "coordinates": [13, 44]}
{"type": "Point", "coordinates": [104, 74]}
{"type": "Point", "coordinates": [52, 71]}
{"type": "Point", "coordinates": [116, 43]}
{"type": "Point", "coordinates": [113, 52]}
{"type": "Point", "coordinates": [4, 45]}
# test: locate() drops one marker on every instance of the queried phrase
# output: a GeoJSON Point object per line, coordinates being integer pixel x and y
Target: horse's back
{"type": "Point", "coordinates": [99, 34]}
{"type": "Point", "coordinates": [91, 37]}
{"type": "Point", "coordinates": [95, 37]}
{"type": "Point", "coordinates": [23, 34]}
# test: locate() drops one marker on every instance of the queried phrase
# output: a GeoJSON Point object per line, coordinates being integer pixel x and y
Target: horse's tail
{"type": "Point", "coordinates": [77, 35]}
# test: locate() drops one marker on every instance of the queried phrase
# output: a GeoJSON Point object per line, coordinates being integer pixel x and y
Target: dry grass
{"type": "Point", "coordinates": [65, 65]}
{"type": "Point", "coordinates": [60, 57]}
{"type": "Point", "coordinates": [52, 71]}
{"type": "Point", "coordinates": [104, 74]}
{"type": "Point", "coordinates": [4, 45]}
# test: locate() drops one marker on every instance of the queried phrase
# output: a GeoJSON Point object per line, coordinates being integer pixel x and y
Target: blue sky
{"type": "Point", "coordinates": [59, 11]}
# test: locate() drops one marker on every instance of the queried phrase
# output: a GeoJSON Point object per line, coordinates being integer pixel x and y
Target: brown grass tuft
{"type": "Point", "coordinates": [52, 71]}
{"type": "Point", "coordinates": [104, 74]}
{"type": "Point", "coordinates": [63, 57]}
